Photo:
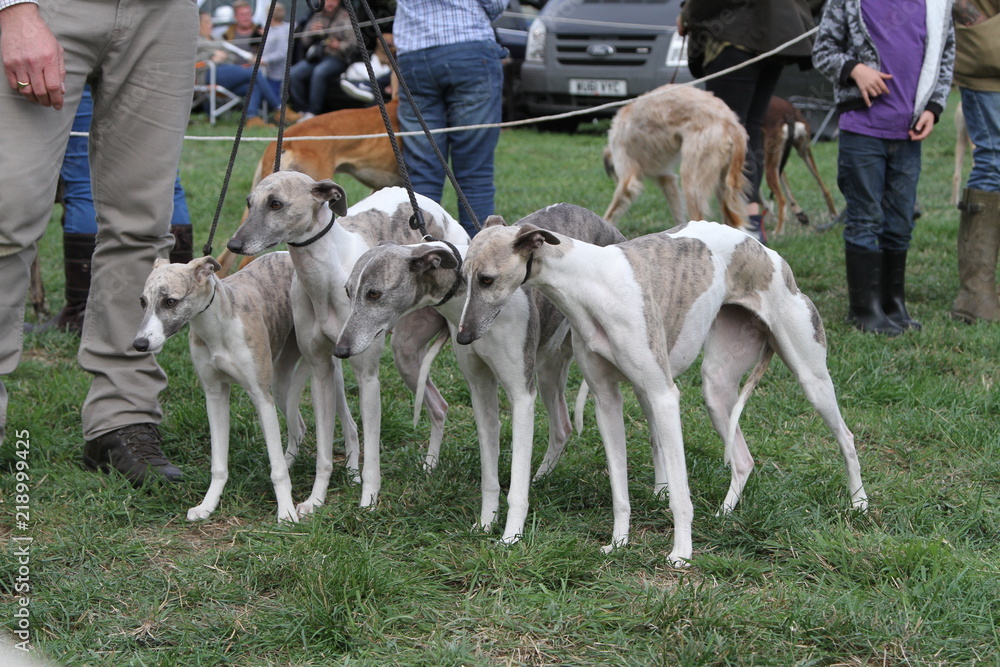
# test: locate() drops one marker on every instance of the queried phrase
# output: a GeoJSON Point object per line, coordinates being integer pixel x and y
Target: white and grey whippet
{"type": "Point", "coordinates": [290, 206]}
{"type": "Point", "coordinates": [640, 312]}
{"type": "Point", "coordinates": [528, 343]}
{"type": "Point", "coordinates": [241, 332]}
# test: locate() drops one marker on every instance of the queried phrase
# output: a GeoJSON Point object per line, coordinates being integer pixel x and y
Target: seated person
{"type": "Point", "coordinates": [233, 70]}
{"type": "Point", "coordinates": [356, 83]}
{"type": "Point", "coordinates": [328, 55]}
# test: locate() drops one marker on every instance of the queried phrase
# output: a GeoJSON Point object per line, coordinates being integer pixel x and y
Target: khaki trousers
{"type": "Point", "coordinates": [139, 57]}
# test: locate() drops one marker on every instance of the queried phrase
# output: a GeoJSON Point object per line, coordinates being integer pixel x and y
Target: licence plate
{"type": "Point", "coordinates": [598, 87]}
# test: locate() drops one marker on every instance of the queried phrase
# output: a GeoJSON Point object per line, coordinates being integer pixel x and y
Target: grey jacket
{"type": "Point", "coordinates": [843, 41]}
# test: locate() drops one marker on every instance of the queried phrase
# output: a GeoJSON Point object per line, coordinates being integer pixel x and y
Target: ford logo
{"type": "Point", "coordinates": [600, 50]}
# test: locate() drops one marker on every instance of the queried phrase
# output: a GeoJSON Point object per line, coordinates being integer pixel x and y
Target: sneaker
{"type": "Point", "coordinates": [134, 451]}
{"type": "Point", "coordinates": [755, 228]}
{"type": "Point", "coordinates": [359, 90]}
{"type": "Point", "coordinates": [291, 116]}
{"type": "Point", "coordinates": [305, 116]}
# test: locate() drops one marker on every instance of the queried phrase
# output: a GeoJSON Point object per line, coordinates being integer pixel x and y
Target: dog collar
{"type": "Point", "coordinates": [458, 273]}
{"type": "Point", "coordinates": [317, 237]}
{"type": "Point", "coordinates": [210, 301]}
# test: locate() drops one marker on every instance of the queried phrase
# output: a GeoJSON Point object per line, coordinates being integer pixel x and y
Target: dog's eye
{"type": "Point", "coordinates": [373, 295]}
{"type": "Point", "coordinates": [486, 281]}
{"type": "Point", "coordinates": [169, 302]}
{"type": "Point", "coordinates": [276, 205]}
{"type": "Point", "coordinates": [142, 302]}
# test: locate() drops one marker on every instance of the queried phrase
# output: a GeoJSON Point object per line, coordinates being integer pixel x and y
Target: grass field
{"type": "Point", "coordinates": [792, 577]}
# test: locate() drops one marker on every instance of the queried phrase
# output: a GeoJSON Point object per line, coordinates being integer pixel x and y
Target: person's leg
{"type": "Point", "coordinates": [134, 200]}
{"type": "Point", "coordinates": [861, 166]}
{"type": "Point", "coordinates": [298, 85]}
{"type": "Point", "coordinates": [979, 227]}
{"type": "Point", "coordinates": [32, 145]}
{"type": "Point", "coordinates": [326, 72]}
{"type": "Point", "coordinates": [233, 77]}
{"type": "Point", "coordinates": [420, 71]}
{"type": "Point", "coordinates": [898, 201]}
{"type": "Point", "coordinates": [180, 226]}
{"type": "Point", "coordinates": [474, 97]}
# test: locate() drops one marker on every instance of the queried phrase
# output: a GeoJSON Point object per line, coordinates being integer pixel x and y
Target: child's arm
{"type": "Point", "coordinates": [830, 56]}
{"type": "Point", "coordinates": [870, 81]}
{"type": "Point", "coordinates": [922, 128]}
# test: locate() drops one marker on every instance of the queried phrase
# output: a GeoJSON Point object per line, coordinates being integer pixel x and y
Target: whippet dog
{"type": "Point", "coordinates": [291, 207]}
{"type": "Point", "coordinates": [241, 332]}
{"type": "Point", "coordinates": [640, 312]}
{"type": "Point", "coordinates": [528, 343]}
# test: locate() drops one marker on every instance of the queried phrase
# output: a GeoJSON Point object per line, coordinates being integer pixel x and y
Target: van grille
{"type": "Point", "coordinates": [631, 50]}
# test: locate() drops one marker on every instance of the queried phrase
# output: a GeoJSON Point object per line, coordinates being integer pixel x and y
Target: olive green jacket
{"type": "Point", "coordinates": [977, 53]}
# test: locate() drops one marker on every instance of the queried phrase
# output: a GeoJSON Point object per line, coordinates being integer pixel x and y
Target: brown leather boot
{"type": "Point", "coordinates": [978, 244]}
{"type": "Point", "coordinates": [183, 250]}
{"type": "Point", "coordinates": [78, 250]}
{"type": "Point", "coordinates": [134, 451]}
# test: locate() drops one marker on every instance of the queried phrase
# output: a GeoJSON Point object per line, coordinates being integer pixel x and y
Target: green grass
{"type": "Point", "coordinates": [792, 577]}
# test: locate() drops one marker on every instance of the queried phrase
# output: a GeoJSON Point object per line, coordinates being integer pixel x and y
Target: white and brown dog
{"type": "Point", "coordinates": [641, 311]}
{"type": "Point", "coordinates": [241, 332]}
{"type": "Point", "coordinates": [289, 206]}
{"type": "Point", "coordinates": [528, 344]}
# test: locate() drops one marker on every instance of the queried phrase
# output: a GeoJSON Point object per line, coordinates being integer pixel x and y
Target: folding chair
{"type": "Point", "coordinates": [219, 98]}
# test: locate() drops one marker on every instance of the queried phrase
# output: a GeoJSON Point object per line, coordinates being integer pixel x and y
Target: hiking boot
{"type": "Point", "coordinates": [134, 451]}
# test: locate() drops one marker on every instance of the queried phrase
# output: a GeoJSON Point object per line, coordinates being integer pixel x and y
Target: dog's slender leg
{"type": "Point", "coordinates": [366, 367]}
{"type": "Point", "coordinates": [522, 417]}
{"type": "Point", "coordinates": [279, 469]}
{"type": "Point", "coordinates": [483, 389]}
{"type": "Point", "coordinates": [289, 382]}
{"type": "Point", "coordinates": [772, 167]}
{"type": "Point", "coordinates": [552, 375]}
{"type": "Point", "coordinates": [324, 404]}
{"type": "Point", "coordinates": [627, 190]}
{"type": "Point", "coordinates": [352, 443]}
{"type": "Point", "coordinates": [807, 157]}
{"type": "Point", "coordinates": [409, 343]}
{"type": "Point", "coordinates": [797, 211]}
{"type": "Point", "coordinates": [731, 348]}
{"type": "Point", "coordinates": [217, 404]}
{"type": "Point", "coordinates": [664, 416]}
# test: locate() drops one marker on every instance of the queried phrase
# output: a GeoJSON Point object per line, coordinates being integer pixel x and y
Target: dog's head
{"type": "Point", "coordinates": [172, 295]}
{"type": "Point", "coordinates": [498, 262]}
{"type": "Point", "coordinates": [389, 281]}
{"type": "Point", "coordinates": [287, 206]}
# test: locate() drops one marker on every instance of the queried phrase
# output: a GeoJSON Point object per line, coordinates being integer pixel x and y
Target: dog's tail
{"type": "Point", "coordinates": [763, 359]}
{"type": "Point", "coordinates": [425, 371]}
{"type": "Point", "coordinates": [581, 402]}
{"type": "Point", "coordinates": [733, 201]}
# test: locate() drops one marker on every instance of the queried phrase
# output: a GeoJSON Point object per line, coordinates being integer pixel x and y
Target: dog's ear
{"type": "Point", "coordinates": [160, 261]}
{"type": "Point", "coordinates": [493, 221]}
{"type": "Point", "coordinates": [432, 258]}
{"type": "Point", "coordinates": [334, 195]}
{"type": "Point", "coordinates": [530, 238]}
{"type": "Point", "coordinates": [204, 267]}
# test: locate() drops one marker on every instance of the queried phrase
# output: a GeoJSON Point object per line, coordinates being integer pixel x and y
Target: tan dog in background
{"type": "Point", "coordinates": [679, 126]}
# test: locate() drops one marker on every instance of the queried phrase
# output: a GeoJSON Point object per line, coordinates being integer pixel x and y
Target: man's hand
{"type": "Point", "coordinates": [32, 58]}
{"type": "Point", "coordinates": [870, 81]}
{"type": "Point", "coordinates": [922, 128]}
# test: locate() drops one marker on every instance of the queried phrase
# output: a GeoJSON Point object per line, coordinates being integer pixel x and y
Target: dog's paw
{"type": "Point", "coordinates": [509, 540]}
{"type": "Point", "coordinates": [430, 463]}
{"type": "Point", "coordinates": [288, 516]}
{"type": "Point", "coordinates": [677, 560]}
{"type": "Point", "coordinates": [308, 507]}
{"type": "Point", "coordinates": [199, 513]}
{"type": "Point", "coordinates": [289, 459]}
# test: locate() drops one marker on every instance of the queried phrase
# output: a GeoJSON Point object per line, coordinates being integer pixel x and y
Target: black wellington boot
{"type": "Point", "coordinates": [78, 251]}
{"type": "Point", "coordinates": [183, 250]}
{"type": "Point", "coordinates": [894, 289]}
{"type": "Point", "coordinates": [864, 290]}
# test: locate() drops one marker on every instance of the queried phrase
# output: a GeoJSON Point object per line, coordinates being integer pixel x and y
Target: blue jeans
{"type": "Point", "coordinates": [237, 79]}
{"type": "Point", "coordinates": [78, 202]}
{"type": "Point", "coordinates": [310, 82]}
{"type": "Point", "coordinates": [878, 178]}
{"type": "Point", "coordinates": [982, 117]}
{"type": "Point", "coordinates": [454, 86]}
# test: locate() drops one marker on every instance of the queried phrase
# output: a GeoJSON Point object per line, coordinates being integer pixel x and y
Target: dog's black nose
{"type": "Point", "coordinates": [342, 351]}
{"type": "Point", "coordinates": [141, 344]}
{"type": "Point", "coordinates": [235, 245]}
{"type": "Point", "coordinates": [464, 337]}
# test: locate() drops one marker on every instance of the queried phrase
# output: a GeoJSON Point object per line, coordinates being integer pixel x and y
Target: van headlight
{"type": "Point", "coordinates": [677, 51]}
{"type": "Point", "coordinates": [535, 47]}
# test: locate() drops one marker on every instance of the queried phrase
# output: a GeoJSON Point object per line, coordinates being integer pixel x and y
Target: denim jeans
{"type": "Point", "coordinates": [310, 82]}
{"type": "Point", "coordinates": [78, 201]}
{"type": "Point", "coordinates": [878, 178]}
{"type": "Point", "coordinates": [454, 86]}
{"type": "Point", "coordinates": [237, 79]}
{"type": "Point", "coordinates": [982, 117]}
